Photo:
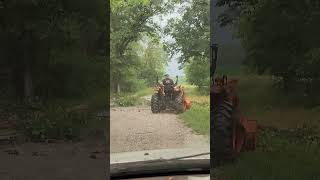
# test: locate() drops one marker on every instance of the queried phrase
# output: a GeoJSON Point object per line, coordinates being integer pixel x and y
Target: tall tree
{"type": "Point", "coordinates": [191, 40]}
{"type": "Point", "coordinates": [280, 38]}
{"type": "Point", "coordinates": [154, 59]}
{"type": "Point", "coordinates": [44, 44]}
{"type": "Point", "coordinates": [129, 21]}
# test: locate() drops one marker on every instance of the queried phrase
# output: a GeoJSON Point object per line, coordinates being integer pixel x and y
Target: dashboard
{"type": "Point", "coordinates": [180, 177]}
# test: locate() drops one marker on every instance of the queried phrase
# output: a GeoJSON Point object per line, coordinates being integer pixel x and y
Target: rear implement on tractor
{"type": "Point", "coordinates": [169, 96]}
{"type": "Point", "coordinates": [231, 131]}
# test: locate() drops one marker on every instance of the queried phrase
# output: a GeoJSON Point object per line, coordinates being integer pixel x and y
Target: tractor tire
{"type": "Point", "coordinates": [155, 103]}
{"type": "Point", "coordinates": [222, 134]}
{"type": "Point", "coordinates": [163, 107]}
{"type": "Point", "coordinates": [178, 103]}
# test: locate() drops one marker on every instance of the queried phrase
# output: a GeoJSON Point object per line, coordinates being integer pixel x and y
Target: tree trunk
{"type": "Point", "coordinates": [287, 83]}
{"type": "Point", "coordinates": [46, 84]}
{"type": "Point", "coordinates": [28, 84]}
{"type": "Point", "coordinates": [17, 79]}
{"type": "Point", "coordinates": [118, 88]}
{"type": "Point", "coordinates": [27, 59]}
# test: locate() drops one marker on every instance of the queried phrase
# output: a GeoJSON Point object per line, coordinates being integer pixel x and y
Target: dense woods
{"type": "Point", "coordinates": [280, 38]}
{"type": "Point", "coordinates": [51, 49]}
{"type": "Point", "coordinates": [137, 55]}
{"type": "Point", "coordinates": [191, 34]}
{"type": "Point", "coordinates": [53, 55]}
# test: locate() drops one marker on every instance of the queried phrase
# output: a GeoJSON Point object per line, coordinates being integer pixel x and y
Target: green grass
{"type": "Point", "coordinates": [132, 99]}
{"type": "Point", "coordinates": [287, 154]}
{"type": "Point", "coordinates": [296, 164]}
{"type": "Point", "coordinates": [144, 92]}
{"type": "Point", "coordinates": [198, 117]}
{"type": "Point", "coordinates": [260, 100]}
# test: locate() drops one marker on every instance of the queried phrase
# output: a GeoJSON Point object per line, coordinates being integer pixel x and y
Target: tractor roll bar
{"type": "Point", "coordinates": [213, 45]}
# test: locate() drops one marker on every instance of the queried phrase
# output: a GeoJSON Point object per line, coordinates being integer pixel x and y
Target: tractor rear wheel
{"type": "Point", "coordinates": [222, 133]}
{"type": "Point", "coordinates": [179, 104]}
{"type": "Point", "coordinates": [155, 103]}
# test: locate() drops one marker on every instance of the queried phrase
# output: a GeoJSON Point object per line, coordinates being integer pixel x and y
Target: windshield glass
{"type": "Point", "coordinates": [159, 80]}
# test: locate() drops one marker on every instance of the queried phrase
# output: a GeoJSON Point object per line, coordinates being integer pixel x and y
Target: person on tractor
{"type": "Point", "coordinates": [167, 80]}
{"type": "Point", "coordinates": [168, 86]}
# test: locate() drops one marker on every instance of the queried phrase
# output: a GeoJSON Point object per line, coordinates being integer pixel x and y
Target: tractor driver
{"type": "Point", "coordinates": [167, 80]}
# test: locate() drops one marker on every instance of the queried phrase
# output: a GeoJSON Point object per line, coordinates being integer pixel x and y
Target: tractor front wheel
{"type": "Point", "coordinates": [222, 133]}
{"type": "Point", "coordinates": [155, 103]}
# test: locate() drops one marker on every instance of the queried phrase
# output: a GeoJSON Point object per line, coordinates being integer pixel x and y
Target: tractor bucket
{"type": "Point", "coordinates": [187, 103]}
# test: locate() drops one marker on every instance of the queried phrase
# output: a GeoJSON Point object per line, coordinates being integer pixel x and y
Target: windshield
{"type": "Point", "coordinates": [157, 42]}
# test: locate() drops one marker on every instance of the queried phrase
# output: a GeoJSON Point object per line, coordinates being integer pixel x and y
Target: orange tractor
{"type": "Point", "coordinates": [169, 96]}
{"type": "Point", "coordinates": [231, 132]}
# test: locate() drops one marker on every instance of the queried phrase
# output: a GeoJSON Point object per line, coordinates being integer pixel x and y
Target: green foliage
{"type": "Point", "coordinates": [52, 52]}
{"type": "Point", "coordinates": [198, 117]}
{"type": "Point", "coordinates": [280, 38]}
{"type": "Point", "coordinates": [39, 123]}
{"type": "Point", "coordinates": [191, 34]}
{"type": "Point", "coordinates": [127, 100]}
{"type": "Point", "coordinates": [150, 60]}
{"type": "Point", "coordinates": [281, 154]}
{"type": "Point", "coordinates": [131, 21]}
{"type": "Point", "coordinates": [132, 99]}
{"type": "Point", "coordinates": [260, 100]}
{"type": "Point", "coordinates": [153, 61]}
{"type": "Point", "coordinates": [230, 56]}
{"type": "Point", "coordinates": [47, 45]}
{"type": "Point", "coordinates": [197, 73]}
{"type": "Point", "coordinates": [53, 124]}
{"type": "Point", "coordinates": [144, 92]}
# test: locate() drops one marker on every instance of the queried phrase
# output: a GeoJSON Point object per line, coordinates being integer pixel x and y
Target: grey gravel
{"type": "Point", "coordinates": [137, 128]}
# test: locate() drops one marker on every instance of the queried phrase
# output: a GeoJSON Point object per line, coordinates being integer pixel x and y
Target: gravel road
{"type": "Point", "coordinates": [136, 129]}
{"type": "Point", "coordinates": [62, 161]}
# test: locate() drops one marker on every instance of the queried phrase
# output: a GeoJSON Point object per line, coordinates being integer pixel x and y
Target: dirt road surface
{"type": "Point", "coordinates": [62, 161]}
{"type": "Point", "coordinates": [137, 129]}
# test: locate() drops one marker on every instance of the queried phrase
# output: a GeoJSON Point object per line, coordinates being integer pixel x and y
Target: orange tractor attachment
{"type": "Point", "coordinates": [245, 136]}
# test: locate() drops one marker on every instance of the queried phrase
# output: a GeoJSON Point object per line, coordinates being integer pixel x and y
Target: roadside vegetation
{"type": "Point", "coordinates": [191, 40]}
{"type": "Point", "coordinates": [281, 154]}
{"type": "Point", "coordinates": [137, 54]}
{"type": "Point", "coordinates": [52, 68]}
{"type": "Point", "coordinates": [288, 137]}
{"type": "Point", "coordinates": [260, 99]}
{"type": "Point", "coordinates": [278, 86]}
{"type": "Point", "coordinates": [131, 99]}
{"type": "Point", "coordinates": [198, 117]}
